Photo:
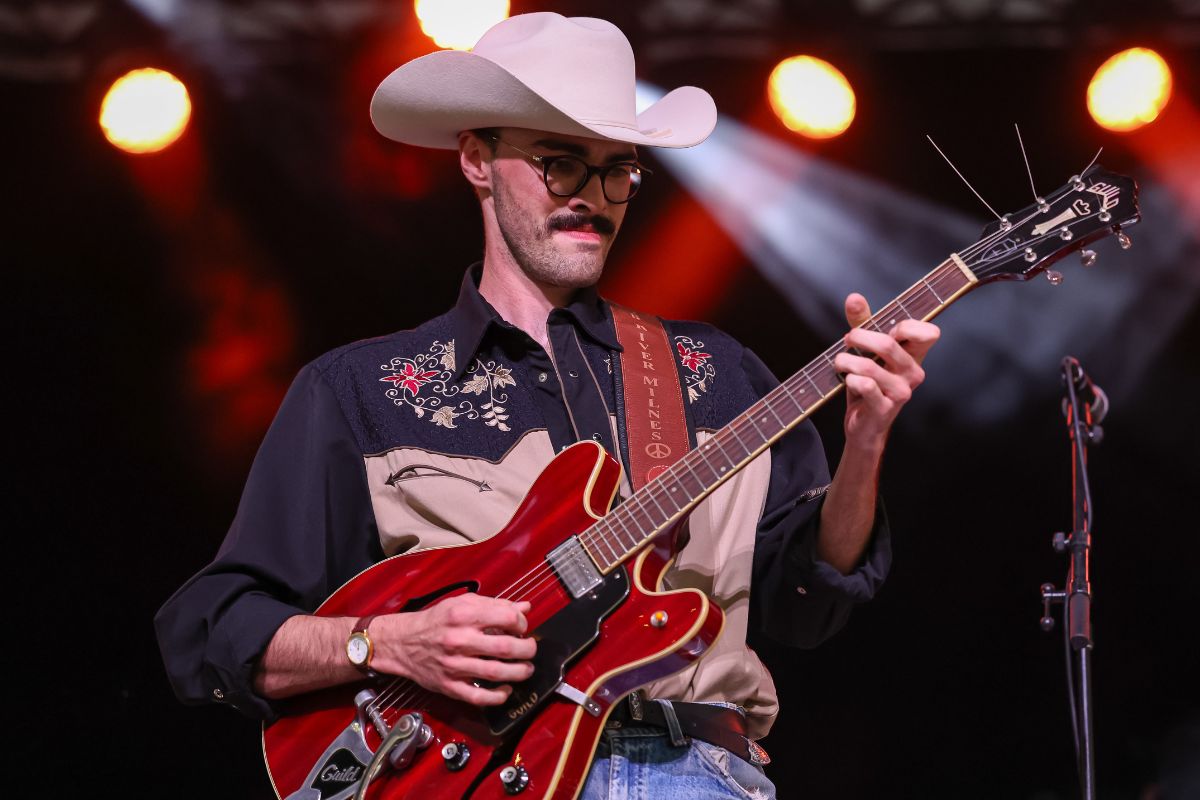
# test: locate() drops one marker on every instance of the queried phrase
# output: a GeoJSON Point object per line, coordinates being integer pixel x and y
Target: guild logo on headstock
{"type": "Point", "coordinates": [341, 770]}
{"type": "Point", "coordinates": [1109, 194]}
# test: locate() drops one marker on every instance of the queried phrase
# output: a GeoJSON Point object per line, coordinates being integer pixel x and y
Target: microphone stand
{"type": "Point", "coordinates": [1076, 596]}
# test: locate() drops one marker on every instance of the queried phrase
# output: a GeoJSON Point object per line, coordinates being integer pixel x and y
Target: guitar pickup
{"type": "Point", "coordinates": [574, 567]}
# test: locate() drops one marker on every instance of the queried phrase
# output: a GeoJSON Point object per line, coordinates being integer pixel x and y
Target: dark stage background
{"type": "Point", "coordinates": [159, 305]}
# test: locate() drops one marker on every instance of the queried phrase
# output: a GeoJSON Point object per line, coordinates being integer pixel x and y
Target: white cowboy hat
{"type": "Point", "coordinates": [541, 71]}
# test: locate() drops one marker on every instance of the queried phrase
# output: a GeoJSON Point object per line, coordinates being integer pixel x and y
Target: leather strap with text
{"type": "Point", "coordinates": [656, 429]}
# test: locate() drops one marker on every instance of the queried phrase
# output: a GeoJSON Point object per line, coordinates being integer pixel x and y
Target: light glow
{"type": "Point", "coordinates": [1129, 90]}
{"type": "Point", "coordinates": [811, 97]}
{"type": "Point", "coordinates": [145, 110]}
{"type": "Point", "coordinates": [458, 24]}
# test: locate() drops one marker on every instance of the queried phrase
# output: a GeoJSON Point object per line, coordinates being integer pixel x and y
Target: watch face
{"type": "Point", "coordinates": [358, 649]}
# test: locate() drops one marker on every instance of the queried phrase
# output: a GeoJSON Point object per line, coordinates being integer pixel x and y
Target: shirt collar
{"type": "Point", "coordinates": [474, 317]}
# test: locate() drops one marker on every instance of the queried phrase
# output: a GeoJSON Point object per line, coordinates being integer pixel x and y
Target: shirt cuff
{"type": "Point", "coordinates": [809, 574]}
{"type": "Point", "coordinates": [235, 647]}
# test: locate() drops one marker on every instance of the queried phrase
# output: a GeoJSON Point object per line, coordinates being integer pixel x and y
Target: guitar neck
{"type": "Point", "coordinates": [674, 493]}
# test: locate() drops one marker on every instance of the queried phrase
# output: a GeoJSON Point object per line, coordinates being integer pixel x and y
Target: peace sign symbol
{"type": "Point", "coordinates": [657, 450]}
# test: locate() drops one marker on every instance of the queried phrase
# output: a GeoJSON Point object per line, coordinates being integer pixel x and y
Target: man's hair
{"type": "Point", "coordinates": [488, 135]}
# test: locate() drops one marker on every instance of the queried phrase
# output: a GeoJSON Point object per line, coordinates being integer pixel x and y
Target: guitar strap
{"type": "Point", "coordinates": [652, 410]}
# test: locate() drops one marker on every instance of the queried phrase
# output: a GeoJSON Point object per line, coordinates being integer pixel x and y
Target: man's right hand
{"type": "Point", "coordinates": [449, 646]}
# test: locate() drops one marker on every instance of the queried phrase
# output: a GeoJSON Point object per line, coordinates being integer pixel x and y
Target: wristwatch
{"type": "Point", "coordinates": [359, 648]}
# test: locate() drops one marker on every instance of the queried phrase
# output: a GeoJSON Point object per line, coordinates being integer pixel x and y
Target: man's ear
{"type": "Point", "coordinates": [473, 155]}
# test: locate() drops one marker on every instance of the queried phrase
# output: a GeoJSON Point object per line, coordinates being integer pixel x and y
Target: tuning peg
{"type": "Point", "coordinates": [1087, 257]}
{"type": "Point", "coordinates": [1124, 240]}
{"type": "Point", "coordinates": [1054, 276]}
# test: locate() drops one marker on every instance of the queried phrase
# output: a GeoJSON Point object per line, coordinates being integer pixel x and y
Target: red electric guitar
{"type": "Point", "coordinates": [593, 575]}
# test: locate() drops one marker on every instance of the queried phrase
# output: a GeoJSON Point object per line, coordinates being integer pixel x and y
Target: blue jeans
{"type": "Point", "coordinates": [640, 763]}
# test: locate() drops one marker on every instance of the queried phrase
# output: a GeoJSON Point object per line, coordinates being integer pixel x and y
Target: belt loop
{"type": "Point", "coordinates": [673, 729]}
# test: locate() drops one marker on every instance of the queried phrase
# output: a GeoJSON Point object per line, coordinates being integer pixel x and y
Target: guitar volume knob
{"type": "Point", "coordinates": [514, 779]}
{"type": "Point", "coordinates": [455, 755]}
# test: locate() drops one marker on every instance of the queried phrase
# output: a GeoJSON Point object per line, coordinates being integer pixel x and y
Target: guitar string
{"type": "Point", "coordinates": [541, 579]}
{"type": "Point", "coordinates": [527, 591]}
{"type": "Point", "coordinates": [594, 536]}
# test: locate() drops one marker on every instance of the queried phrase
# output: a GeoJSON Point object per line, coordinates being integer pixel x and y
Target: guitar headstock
{"type": "Point", "coordinates": [1087, 208]}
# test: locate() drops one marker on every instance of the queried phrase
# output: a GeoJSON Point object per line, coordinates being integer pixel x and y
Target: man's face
{"type": "Point", "coordinates": [556, 241]}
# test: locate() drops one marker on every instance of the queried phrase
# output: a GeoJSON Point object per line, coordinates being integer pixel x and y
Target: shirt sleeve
{"type": "Point", "coordinates": [798, 599]}
{"type": "Point", "coordinates": [303, 527]}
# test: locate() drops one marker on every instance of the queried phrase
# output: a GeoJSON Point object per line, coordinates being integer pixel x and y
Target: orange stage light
{"type": "Point", "coordinates": [458, 24]}
{"type": "Point", "coordinates": [811, 97]}
{"type": "Point", "coordinates": [1129, 90]}
{"type": "Point", "coordinates": [145, 110]}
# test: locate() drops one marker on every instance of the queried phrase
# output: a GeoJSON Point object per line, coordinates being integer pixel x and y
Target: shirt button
{"type": "Point", "coordinates": [218, 694]}
{"type": "Point", "coordinates": [801, 590]}
{"type": "Point", "coordinates": [573, 374]}
{"type": "Point", "coordinates": [542, 377]}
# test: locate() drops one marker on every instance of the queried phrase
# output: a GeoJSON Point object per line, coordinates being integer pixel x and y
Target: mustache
{"type": "Point", "coordinates": [572, 220]}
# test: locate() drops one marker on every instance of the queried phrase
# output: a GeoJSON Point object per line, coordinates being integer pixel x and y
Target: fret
{"type": "Point", "coordinates": [676, 486]}
{"type": "Point", "coordinates": [645, 520]}
{"type": "Point", "coordinates": [934, 291]}
{"type": "Point", "coordinates": [714, 441]}
{"type": "Point", "coordinates": [665, 515]}
{"type": "Point", "coordinates": [791, 398]}
{"type": "Point", "coordinates": [903, 308]}
{"type": "Point", "coordinates": [891, 323]}
{"type": "Point", "coordinates": [624, 533]}
{"type": "Point", "coordinates": [814, 383]}
{"type": "Point", "coordinates": [611, 550]}
{"type": "Point", "coordinates": [732, 427]}
{"type": "Point", "coordinates": [699, 451]}
{"type": "Point", "coordinates": [770, 406]}
{"type": "Point", "coordinates": [686, 461]}
{"type": "Point", "coordinates": [671, 492]}
{"type": "Point", "coordinates": [832, 366]}
{"type": "Point", "coordinates": [749, 417]}
{"type": "Point", "coordinates": [951, 276]}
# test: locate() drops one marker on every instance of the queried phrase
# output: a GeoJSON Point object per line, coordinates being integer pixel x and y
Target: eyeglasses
{"type": "Point", "coordinates": [565, 176]}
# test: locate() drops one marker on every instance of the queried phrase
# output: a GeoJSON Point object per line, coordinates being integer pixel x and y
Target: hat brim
{"type": "Point", "coordinates": [428, 101]}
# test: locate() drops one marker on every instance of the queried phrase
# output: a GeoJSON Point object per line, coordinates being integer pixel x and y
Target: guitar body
{"type": "Point", "coordinates": [603, 644]}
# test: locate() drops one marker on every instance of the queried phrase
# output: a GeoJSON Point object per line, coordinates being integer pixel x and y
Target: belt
{"type": "Point", "coordinates": [717, 725]}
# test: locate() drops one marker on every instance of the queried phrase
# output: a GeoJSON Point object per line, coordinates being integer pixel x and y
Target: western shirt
{"type": "Point", "coordinates": [432, 436]}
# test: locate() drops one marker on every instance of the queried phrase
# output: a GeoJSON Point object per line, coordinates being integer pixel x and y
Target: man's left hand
{"type": "Point", "coordinates": [876, 392]}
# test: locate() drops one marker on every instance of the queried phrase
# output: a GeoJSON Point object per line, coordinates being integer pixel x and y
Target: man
{"type": "Point", "coordinates": [431, 437]}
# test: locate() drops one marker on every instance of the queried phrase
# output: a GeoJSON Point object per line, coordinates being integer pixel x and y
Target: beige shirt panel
{"type": "Point", "coordinates": [718, 560]}
{"type": "Point", "coordinates": [437, 499]}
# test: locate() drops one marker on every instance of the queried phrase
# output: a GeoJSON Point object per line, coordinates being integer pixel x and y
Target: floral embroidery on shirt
{"type": "Point", "coordinates": [422, 384]}
{"type": "Point", "coordinates": [697, 362]}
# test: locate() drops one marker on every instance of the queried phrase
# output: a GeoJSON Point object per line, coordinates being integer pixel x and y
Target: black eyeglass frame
{"type": "Point", "coordinates": [589, 170]}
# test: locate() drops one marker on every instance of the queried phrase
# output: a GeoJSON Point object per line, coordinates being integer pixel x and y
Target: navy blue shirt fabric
{"type": "Point", "coordinates": [305, 523]}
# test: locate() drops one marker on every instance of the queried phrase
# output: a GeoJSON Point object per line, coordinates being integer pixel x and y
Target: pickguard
{"type": "Point", "coordinates": [560, 640]}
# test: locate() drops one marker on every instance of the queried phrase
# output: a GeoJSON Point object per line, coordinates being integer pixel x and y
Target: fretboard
{"type": "Point", "coordinates": [671, 495]}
